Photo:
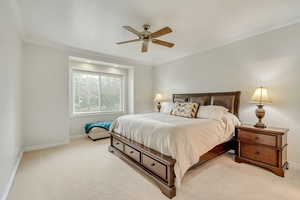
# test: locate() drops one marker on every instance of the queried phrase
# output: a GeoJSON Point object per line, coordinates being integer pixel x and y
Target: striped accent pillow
{"type": "Point", "coordinates": [185, 109]}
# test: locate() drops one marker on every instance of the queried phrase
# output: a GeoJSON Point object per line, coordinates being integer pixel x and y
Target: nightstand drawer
{"type": "Point", "coordinates": [252, 137]}
{"type": "Point", "coordinates": [259, 153]}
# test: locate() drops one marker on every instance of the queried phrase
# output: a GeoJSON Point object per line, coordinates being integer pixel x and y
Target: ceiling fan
{"type": "Point", "coordinates": [146, 36]}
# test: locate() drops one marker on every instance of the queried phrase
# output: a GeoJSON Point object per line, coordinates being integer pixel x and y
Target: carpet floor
{"type": "Point", "coordinates": [85, 170]}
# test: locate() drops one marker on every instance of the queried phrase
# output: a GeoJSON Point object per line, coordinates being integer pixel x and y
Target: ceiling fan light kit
{"type": "Point", "coordinates": [146, 36]}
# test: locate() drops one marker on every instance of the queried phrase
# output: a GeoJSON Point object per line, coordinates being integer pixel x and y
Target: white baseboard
{"type": "Point", "coordinates": [72, 137]}
{"type": "Point", "coordinates": [12, 177]}
{"type": "Point", "coordinates": [44, 146]}
{"type": "Point", "coordinates": [294, 165]}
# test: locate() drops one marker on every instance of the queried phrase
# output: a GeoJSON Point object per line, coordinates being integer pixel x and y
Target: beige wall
{"type": "Point", "coordinates": [47, 119]}
{"type": "Point", "coordinates": [271, 59]}
{"type": "Point", "coordinates": [10, 95]}
{"type": "Point", "coordinates": [45, 103]}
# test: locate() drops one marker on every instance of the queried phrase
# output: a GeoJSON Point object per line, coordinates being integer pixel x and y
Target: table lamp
{"type": "Point", "coordinates": [157, 100]}
{"type": "Point", "coordinates": [260, 97]}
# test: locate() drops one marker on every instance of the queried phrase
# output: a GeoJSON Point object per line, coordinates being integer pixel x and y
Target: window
{"type": "Point", "coordinates": [97, 92]}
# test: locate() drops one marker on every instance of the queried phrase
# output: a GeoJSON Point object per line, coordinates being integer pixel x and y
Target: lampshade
{"type": "Point", "coordinates": [158, 97]}
{"type": "Point", "coordinates": [261, 96]}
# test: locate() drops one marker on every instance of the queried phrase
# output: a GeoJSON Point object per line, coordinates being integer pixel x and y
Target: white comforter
{"type": "Point", "coordinates": [184, 139]}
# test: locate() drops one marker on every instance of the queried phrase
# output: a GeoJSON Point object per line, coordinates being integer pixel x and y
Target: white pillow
{"type": "Point", "coordinates": [211, 112]}
{"type": "Point", "coordinates": [229, 117]}
{"type": "Point", "coordinates": [166, 107]}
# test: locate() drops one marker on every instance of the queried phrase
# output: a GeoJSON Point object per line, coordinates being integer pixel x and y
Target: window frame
{"type": "Point", "coordinates": [123, 88]}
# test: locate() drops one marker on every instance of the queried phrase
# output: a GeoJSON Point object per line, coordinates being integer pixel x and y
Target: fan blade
{"type": "Point", "coordinates": [161, 32]}
{"type": "Point", "coordinates": [145, 46]}
{"type": "Point", "coordinates": [132, 30]}
{"type": "Point", "coordinates": [136, 40]}
{"type": "Point", "coordinates": [163, 43]}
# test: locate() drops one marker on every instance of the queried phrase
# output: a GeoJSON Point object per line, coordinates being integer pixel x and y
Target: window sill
{"type": "Point", "coordinates": [79, 115]}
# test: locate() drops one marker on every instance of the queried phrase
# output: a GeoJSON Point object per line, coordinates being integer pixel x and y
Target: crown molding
{"type": "Point", "coordinates": [85, 53]}
{"type": "Point", "coordinates": [237, 39]}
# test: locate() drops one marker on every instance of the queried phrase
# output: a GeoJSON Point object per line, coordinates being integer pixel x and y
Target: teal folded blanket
{"type": "Point", "coordinates": [89, 126]}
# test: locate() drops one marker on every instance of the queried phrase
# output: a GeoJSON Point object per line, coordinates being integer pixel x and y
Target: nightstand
{"type": "Point", "coordinates": [264, 147]}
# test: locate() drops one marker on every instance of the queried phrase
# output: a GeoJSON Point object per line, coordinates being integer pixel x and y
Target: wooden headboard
{"type": "Point", "coordinates": [230, 100]}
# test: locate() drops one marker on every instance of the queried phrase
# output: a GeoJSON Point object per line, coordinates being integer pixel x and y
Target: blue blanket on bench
{"type": "Point", "coordinates": [89, 126]}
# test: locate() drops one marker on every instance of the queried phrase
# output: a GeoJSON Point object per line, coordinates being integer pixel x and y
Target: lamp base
{"type": "Point", "coordinates": [158, 106]}
{"type": "Point", "coordinates": [260, 125]}
{"type": "Point", "coordinates": [260, 113]}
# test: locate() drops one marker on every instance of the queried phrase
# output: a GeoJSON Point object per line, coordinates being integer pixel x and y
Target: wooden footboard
{"type": "Point", "coordinates": [157, 166]}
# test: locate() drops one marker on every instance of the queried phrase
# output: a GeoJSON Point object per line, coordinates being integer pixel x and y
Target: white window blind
{"type": "Point", "coordinates": [97, 92]}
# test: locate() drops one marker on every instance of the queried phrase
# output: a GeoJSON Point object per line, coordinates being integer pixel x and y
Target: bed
{"type": "Point", "coordinates": [164, 147]}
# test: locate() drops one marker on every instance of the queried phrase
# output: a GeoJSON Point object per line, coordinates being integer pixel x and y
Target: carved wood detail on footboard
{"type": "Point", "coordinates": [155, 165]}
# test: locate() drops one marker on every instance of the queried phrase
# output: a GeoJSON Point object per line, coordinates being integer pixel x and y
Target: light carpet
{"type": "Point", "coordinates": [85, 170]}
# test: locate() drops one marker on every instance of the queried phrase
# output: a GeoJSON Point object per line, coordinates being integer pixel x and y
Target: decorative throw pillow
{"type": "Point", "coordinates": [166, 107]}
{"type": "Point", "coordinates": [185, 109]}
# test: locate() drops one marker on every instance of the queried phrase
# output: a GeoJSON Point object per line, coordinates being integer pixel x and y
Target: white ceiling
{"type": "Point", "coordinates": [197, 25]}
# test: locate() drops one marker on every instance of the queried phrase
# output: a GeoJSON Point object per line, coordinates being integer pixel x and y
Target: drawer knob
{"type": "Point", "coordinates": [117, 143]}
{"type": "Point", "coordinates": [153, 164]}
{"type": "Point", "coordinates": [257, 153]}
{"type": "Point", "coordinates": [131, 152]}
{"type": "Point", "coordinates": [256, 138]}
